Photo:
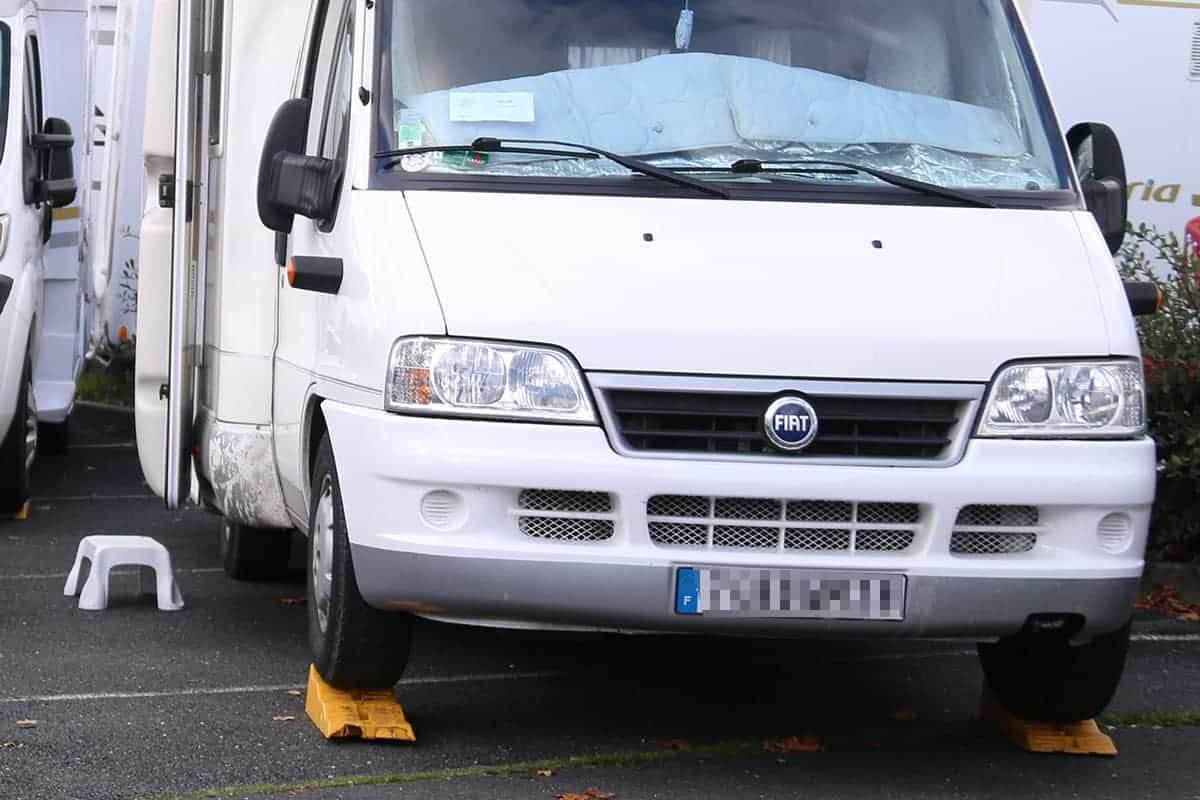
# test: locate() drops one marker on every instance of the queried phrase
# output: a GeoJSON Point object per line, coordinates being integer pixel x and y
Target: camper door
{"type": "Point", "coordinates": [172, 249]}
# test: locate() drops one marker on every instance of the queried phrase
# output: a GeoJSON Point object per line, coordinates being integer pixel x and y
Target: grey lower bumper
{"type": "Point", "coordinates": [623, 597]}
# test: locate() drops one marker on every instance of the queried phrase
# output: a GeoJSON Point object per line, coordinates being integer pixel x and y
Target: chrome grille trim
{"type": "Point", "coordinates": [994, 530]}
{"type": "Point", "coordinates": [565, 516]}
{"type": "Point", "coordinates": [714, 523]}
{"type": "Point", "coordinates": [967, 396]}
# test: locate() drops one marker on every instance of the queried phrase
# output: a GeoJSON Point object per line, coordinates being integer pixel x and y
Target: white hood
{"type": "Point", "coordinates": [764, 289]}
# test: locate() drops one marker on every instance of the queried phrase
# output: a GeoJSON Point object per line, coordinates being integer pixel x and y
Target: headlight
{"type": "Point", "coordinates": [1101, 399]}
{"type": "Point", "coordinates": [470, 378]}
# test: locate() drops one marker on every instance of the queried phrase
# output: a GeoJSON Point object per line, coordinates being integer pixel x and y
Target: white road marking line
{"type": "Point", "coordinates": [482, 678]}
{"type": "Point", "coordinates": [1165, 637]}
{"type": "Point", "coordinates": [224, 690]}
{"type": "Point", "coordinates": [48, 576]}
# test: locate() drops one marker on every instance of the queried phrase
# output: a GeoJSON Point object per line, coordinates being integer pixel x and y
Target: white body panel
{"type": "Point", "coordinates": [44, 316]}
{"type": "Point", "coordinates": [151, 371]}
{"type": "Point", "coordinates": [1132, 72]}
{"type": "Point", "coordinates": [63, 30]}
{"type": "Point", "coordinates": [812, 279]}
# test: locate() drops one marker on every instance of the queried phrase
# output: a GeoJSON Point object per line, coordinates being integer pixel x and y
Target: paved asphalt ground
{"type": "Point", "coordinates": [133, 702]}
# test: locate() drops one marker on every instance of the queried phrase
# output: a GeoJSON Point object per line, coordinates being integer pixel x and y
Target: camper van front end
{"type": "Point", "coordinates": [757, 318]}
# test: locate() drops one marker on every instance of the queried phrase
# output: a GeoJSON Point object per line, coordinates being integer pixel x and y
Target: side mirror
{"type": "Point", "coordinates": [1101, 167]}
{"type": "Point", "coordinates": [285, 137]}
{"type": "Point", "coordinates": [58, 187]}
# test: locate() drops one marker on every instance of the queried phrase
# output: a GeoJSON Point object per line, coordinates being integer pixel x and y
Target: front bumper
{"type": "Point", "coordinates": [482, 568]}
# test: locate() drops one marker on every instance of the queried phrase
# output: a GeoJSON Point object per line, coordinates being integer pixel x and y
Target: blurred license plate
{"type": "Point", "coordinates": [810, 594]}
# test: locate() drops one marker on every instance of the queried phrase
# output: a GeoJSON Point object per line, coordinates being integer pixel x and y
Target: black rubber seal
{"type": "Point", "coordinates": [6, 284]}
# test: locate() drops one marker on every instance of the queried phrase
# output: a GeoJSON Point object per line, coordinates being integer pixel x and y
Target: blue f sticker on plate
{"type": "Point", "coordinates": [687, 591]}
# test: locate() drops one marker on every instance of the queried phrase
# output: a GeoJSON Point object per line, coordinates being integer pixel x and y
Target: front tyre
{"type": "Point", "coordinates": [354, 646]}
{"type": "Point", "coordinates": [1049, 680]}
{"type": "Point", "coordinates": [19, 449]}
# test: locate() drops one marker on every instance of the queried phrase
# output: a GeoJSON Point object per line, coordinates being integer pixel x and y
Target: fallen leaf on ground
{"type": "Point", "coordinates": [291, 601]}
{"type": "Point", "coordinates": [295, 692]}
{"type": "Point", "coordinates": [904, 715]}
{"type": "Point", "coordinates": [675, 744]}
{"type": "Point", "coordinates": [1166, 601]}
{"type": "Point", "coordinates": [27, 723]}
{"type": "Point", "coordinates": [545, 773]}
{"type": "Point", "coordinates": [284, 718]}
{"type": "Point", "coordinates": [793, 744]}
{"type": "Point", "coordinates": [591, 793]}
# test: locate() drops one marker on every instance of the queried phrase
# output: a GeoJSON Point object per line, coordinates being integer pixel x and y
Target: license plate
{"type": "Point", "coordinates": [803, 594]}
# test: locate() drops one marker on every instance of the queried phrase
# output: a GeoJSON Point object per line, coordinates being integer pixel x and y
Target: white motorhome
{"type": "Point", "coordinates": [1147, 87]}
{"type": "Point", "coordinates": [736, 318]}
{"type": "Point", "coordinates": [42, 304]}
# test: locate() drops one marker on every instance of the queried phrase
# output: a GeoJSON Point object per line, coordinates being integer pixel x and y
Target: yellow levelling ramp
{"type": "Point", "coordinates": [339, 714]}
{"type": "Point", "coordinates": [1074, 738]}
{"type": "Point", "coordinates": [20, 516]}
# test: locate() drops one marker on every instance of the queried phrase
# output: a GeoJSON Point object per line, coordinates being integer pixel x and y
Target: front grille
{"type": "Point", "coordinates": [792, 525]}
{"type": "Point", "coordinates": [995, 530]}
{"type": "Point", "coordinates": [732, 424]}
{"type": "Point", "coordinates": [566, 516]}
{"type": "Point", "coordinates": [568, 502]}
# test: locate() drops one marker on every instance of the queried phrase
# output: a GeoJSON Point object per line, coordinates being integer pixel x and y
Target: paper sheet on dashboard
{"type": "Point", "coordinates": [491, 107]}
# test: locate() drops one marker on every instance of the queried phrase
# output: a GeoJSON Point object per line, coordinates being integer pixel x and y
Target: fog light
{"type": "Point", "coordinates": [443, 510]}
{"type": "Point", "coordinates": [1115, 533]}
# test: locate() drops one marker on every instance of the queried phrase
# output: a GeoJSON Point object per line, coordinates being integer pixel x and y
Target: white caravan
{"type": "Point", "coordinates": [745, 318]}
{"type": "Point", "coordinates": [1146, 86]}
{"type": "Point", "coordinates": [41, 292]}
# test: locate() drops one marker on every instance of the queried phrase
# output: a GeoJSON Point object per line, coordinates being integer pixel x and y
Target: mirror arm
{"type": "Point", "coordinates": [1145, 299]}
{"type": "Point", "coordinates": [53, 141]}
{"type": "Point", "coordinates": [305, 185]}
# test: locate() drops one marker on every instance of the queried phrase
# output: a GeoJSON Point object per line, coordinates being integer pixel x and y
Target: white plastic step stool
{"type": "Point", "coordinates": [107, 552]}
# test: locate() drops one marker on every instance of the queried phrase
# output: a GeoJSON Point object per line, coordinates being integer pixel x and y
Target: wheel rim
{"type": "Point", "coordinates": [31, 427]}
{"type": "Point", "coordinates": [322, 553]}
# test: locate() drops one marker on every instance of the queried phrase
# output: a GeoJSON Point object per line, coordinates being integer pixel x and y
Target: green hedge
{"type": "Point", "coordinates": [1171, 350]}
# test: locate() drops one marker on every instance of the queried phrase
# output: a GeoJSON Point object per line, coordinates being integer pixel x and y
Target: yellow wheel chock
{"type": "Point", "coordinates": [1073, 738]}
{"type": "Point", "coordinates": [340, 714]}
{"type": "Point", "coordinates": [19, 516]}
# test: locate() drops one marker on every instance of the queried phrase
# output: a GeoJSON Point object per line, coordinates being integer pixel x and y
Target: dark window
{"type": "Point", "coordinates": [335, 133]}
{"type": "Point", "coordinates": [34, 161]}
{"type": "Point", "coordinates": [5, 82]}
{"type": "Point", "coordinates": [216, 70]}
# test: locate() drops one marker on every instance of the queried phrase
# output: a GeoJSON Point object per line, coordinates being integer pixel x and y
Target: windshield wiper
{"type": "Point", "coordinates": [753, 166]}
{"type": "Point", "coordinates": [488, 144]}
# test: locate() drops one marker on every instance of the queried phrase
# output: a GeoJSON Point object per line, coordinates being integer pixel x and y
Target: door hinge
{"type": "Point", "coordinates": [166, 194]}
{"type": "Point", "coordinates": [166, 191]}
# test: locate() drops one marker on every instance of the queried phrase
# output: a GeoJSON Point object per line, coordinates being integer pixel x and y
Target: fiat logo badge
{"type": "Point", "coordinates": [791, 424]}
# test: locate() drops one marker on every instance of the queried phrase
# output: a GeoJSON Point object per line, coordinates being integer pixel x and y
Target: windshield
{"type": "Point", "coordinates": [936, 90]}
